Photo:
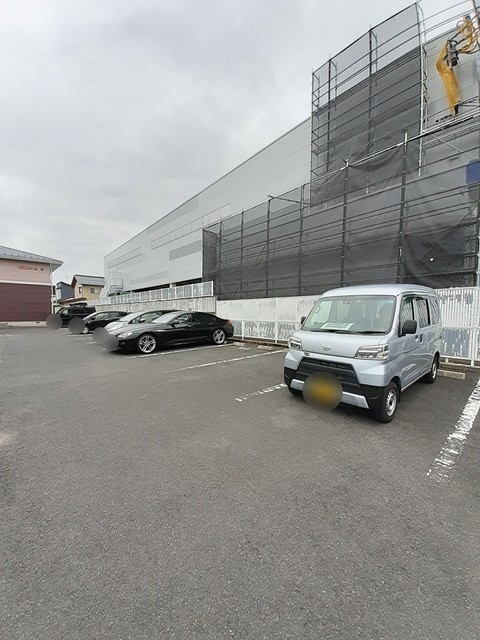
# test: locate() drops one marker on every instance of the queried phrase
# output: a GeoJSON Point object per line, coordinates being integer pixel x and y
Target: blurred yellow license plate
{"type": "Point", "coordinates": [322, 390]}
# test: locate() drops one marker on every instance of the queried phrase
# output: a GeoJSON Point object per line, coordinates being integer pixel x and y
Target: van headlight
{"type": "Point", "coordinates": [295, 343]}
{"type": "Point", "coordinates": [373, 353]}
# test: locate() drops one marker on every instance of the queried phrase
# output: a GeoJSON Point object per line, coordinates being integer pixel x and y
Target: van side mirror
{"type": "Point", "coordinates": [302, 319]}
{"type": "Point", "coordinates": [409, 327]}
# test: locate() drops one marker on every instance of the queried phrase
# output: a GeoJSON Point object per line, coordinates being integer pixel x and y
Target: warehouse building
{"type": "Point", "coordinates": [25, 285]}
{"type": "Point", "coordinates": [380, 184]}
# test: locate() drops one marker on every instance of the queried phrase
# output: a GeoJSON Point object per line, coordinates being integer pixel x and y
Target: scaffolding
{"type": "Point", "coordinates": [394, 190]}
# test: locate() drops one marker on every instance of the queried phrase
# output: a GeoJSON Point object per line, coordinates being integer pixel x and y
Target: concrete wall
{"type": "Point", "coordinates": [276, 319]}
{"type": "Point", "coordinates": [170, 250]}
{"type": "Point", "coordinates": [266, 318]}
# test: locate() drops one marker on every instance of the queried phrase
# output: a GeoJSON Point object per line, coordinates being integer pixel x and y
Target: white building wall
{"type": "Point", "coordinates": [170, 250]}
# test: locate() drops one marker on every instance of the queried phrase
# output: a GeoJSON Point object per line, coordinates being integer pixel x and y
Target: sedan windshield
{"type": "Point", "coordinates": [352, 314]}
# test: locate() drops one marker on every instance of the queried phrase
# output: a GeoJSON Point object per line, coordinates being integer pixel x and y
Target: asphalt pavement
{"type": "Point", "coordinates": [187, 494]}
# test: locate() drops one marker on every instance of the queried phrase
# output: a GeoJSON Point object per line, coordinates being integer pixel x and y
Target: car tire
{"type": "Point", "coordinates": [219, 336]}
{"type": "Point", "coordinates": [86, 330]}
{"type": "Point", "coordinates": [391, 397]}
{"type": "Point", "coordinates": [433, 373]}
{"type": "Point", "coordinates": [295, 392]}
{"type": "Point", "coordinates": [146, 343]}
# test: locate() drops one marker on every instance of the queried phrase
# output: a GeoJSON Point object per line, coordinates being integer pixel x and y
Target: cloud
{"type": "Point", "coordinates": [115, 112]}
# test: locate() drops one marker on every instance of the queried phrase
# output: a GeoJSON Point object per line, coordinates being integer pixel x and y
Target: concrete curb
{"type": "Point", "coordinates": [23, 325]}
{"type": "Point", "coordinates": [456, 375]}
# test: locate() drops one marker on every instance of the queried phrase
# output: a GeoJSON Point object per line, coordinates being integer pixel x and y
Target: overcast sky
{"type": "Point", "coordinates": [113, 112]}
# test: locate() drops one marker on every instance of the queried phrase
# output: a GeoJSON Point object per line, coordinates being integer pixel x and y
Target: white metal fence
{"type": "Point", "coordinates": [275, 319]}
{"type": "Point", "coordinates": [200, 290]}
{"type": "Point", "coordinates": [461, 321]}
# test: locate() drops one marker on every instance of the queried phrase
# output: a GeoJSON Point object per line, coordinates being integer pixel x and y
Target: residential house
{"type": "Point", "coordinates": [25, 285]}
{"type": "Point", "coordinates": [86, 287]}
{"type": "Point", "coordinates": [63, 293]}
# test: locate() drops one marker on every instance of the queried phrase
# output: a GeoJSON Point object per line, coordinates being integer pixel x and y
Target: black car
{"type": "Point", "coordinates": [101, 319]}
{"type": "Point", "coordinates": [68, 313]}
{"type": "Point", "coordinates": [175, 328]}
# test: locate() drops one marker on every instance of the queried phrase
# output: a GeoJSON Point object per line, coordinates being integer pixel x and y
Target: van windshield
{"type": "Point", "coordinates": [352, 314]}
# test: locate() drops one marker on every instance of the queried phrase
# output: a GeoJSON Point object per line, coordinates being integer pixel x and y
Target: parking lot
{"type": "Point", "coordinates": [187, 494]}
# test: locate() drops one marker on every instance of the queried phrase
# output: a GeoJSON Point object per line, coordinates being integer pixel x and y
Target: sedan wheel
{"type": "Point", "coordinates": [218, 336]}
{"type": "Point", "coordinates": [86, 330]}
{"type": "Point", "coordinates": [146, 343]}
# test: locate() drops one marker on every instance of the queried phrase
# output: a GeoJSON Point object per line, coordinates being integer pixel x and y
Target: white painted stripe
{"type": "Point", "coordinates": [211, 364]}
{"type": "Point", "coordinates": [444, 464]}
{"type": "Point", "coordinates": [166, 353]}
{"type": "Point", "coordinates": [262, 392]}
{"type": "Point", "coordinates": [6, 438]}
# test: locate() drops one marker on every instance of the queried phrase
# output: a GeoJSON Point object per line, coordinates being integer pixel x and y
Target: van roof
{"type": "Point", "coordinates": [380, 289]}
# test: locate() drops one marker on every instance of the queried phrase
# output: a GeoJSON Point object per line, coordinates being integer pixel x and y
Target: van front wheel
{"type": "Point", "coordinates": [295, 392]}
{"type": "Point", "coordinates": [386, 411]}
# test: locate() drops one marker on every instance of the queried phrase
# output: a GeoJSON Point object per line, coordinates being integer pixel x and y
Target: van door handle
{"type": "Point", "coordinates": [416, 338]}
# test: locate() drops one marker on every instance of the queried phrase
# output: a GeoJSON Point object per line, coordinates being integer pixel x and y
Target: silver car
{"type": "Point", "coordinates": [376, 340]}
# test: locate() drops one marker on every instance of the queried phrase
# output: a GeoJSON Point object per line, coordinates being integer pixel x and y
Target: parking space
{"type": "Point", "coordinates": [189, 488]}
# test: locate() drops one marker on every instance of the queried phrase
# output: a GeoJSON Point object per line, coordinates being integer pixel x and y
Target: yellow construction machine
{"type": "Point", "coordinates": [465, 41]}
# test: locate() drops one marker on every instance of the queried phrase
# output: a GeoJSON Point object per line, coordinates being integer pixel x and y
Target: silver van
{"type": "Point", "coordinates": [376, 340]}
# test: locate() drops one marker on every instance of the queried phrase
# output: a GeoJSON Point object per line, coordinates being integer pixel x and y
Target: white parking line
{"type": "Point", "coordinates": [166, 353]}
{"type": "Point", "coordinates": [6, 438]}
{"type": "Point", "coordinates": [443, 466]}
{"type": "Point", "coordinates": [211, 364]}
{"type": "Point", "coordinates": [262, 392]}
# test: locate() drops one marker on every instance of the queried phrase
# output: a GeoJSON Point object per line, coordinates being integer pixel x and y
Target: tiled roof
{"type": "Point", "coordinates": [15, 254]}
{"type": "Point", "coordinates": [94, 281]}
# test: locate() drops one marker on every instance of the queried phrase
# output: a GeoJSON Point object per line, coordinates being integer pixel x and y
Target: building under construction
{"type": "Point", "coordinates": [388, 169]}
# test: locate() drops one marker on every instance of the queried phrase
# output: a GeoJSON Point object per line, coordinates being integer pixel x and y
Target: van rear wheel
{"type": "Point", "coordinates": [433, 373]}
{"type": "Point", "coordinates": [386, 411]}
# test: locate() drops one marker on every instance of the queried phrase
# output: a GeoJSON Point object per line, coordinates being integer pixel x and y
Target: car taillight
{"type": "Point", "coordinates": [228, 322]}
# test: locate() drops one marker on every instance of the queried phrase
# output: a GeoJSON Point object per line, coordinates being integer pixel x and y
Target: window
{"type": "Point", "coordinates": [92, 290]}
{"type": "Point", "coordinates": [422, 310]}
{"type": "Point", "coordinates": [79, 291]}
{"type": "Point", "coordinates": [203, 318]}
{"type": "Point", "coordinates": [185, 317]}
{"type": "Point", "coordinates": [434, 310]}
{"type": "Point", "coordinates": [407, 311]}
{"type": "Point", "coordinates": [352, 314]}
{"type": "Point", "coordinates": [148, 317]}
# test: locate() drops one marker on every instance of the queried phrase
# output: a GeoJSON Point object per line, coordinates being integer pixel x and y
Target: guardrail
{"type": "Point", "coordinates": [199, 290]}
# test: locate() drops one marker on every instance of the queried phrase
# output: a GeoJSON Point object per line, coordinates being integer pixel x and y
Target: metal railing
{"type": "Point", "coordinates": [199, 290]}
